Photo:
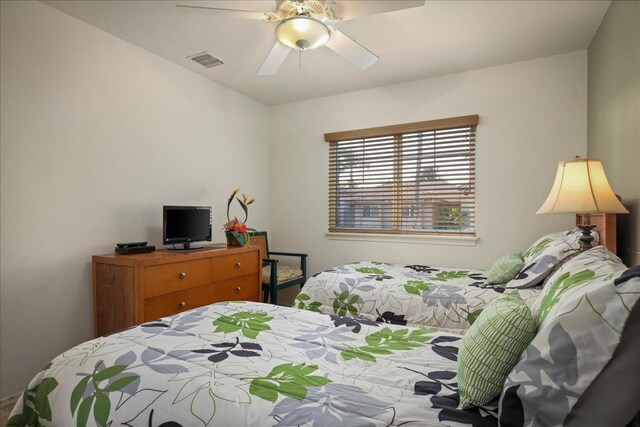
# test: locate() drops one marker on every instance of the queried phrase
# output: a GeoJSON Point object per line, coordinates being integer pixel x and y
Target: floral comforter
{"type": "Point", "coordinates": [447, 299]}
{"type": "Point", "coordinates": [252, 364]}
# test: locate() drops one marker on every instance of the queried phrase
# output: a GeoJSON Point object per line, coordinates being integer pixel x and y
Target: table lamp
{"type": "Point", "coordinates": [581, 187]}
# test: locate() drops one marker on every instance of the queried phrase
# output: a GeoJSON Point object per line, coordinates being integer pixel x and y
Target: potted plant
{"type": "Point", "coordinates": [236, 231]}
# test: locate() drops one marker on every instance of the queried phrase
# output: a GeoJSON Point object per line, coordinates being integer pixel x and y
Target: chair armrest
{"type": "Point", "coordinates": [287, 254]}
{"type": "Point", "coordinates": [269, 261]}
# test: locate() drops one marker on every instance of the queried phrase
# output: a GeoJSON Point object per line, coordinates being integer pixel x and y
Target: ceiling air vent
{"type": "Point", "coordinates": [206, 60]}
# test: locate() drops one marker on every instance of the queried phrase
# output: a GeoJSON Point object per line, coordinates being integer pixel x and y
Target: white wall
{"type": "Point", "coordinates": [614, 115]}
{"type": "Point", "coordinates": [96, 135]}
{"type": "Point", "coordinates": [532, 115]}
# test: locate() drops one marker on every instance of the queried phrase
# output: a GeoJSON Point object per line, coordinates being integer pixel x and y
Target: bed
{"type": "Point", "coordinates": [446, 299]}
{"type": "Point", "coordinates": [253, 364]}
{"type": "Point", "coordinates": [235, 364]}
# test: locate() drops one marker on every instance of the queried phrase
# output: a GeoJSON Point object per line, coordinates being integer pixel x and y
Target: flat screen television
{"type": "Point", "coordinates": [186, 224]}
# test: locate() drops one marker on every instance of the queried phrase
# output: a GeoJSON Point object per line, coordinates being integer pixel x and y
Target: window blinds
{"type": "Point", "coordinates": [416, 178]}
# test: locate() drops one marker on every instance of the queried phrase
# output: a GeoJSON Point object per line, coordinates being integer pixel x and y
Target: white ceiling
{"type": "Point", "coordinates": [439, 38]}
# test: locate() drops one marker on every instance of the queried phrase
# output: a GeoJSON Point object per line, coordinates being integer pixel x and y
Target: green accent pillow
{"type": "Point", "coordinates": [492, 347]}
{"type": "Point", "coordinates": [505, 269]}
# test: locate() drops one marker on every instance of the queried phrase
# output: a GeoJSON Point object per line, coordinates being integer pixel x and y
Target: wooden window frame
{"type": "Point", "coordinates": [398, 132]}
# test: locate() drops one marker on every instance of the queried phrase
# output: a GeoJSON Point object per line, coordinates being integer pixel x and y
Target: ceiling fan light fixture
{"type": "Point", "coordinates": [302, 32]}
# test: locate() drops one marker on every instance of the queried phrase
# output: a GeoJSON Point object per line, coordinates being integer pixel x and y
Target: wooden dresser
{"type": "Point", "coordinates": [133, 289]}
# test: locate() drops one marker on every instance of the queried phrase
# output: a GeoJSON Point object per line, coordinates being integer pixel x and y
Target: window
{"type": "Point", "coordinates": [370, 211]}
{"type": "Point", "coordinates": [411, 210]}
{"type": "Point", "coordinates": [416, 178]}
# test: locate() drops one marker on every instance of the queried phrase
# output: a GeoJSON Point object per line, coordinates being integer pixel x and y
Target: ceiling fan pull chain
{"type": "Point", "coordinates": [300, 59]}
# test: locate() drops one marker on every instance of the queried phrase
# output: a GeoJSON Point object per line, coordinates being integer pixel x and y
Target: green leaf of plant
{"type": "Point", "coordinates": [121, 383]}
{"type": "Point", "coordinates": [250, 324]}
{"type": "Point", "coordinates": [317, 381]}
{"type": "Point", "coordinates": [385, 341]}
{"type": "Point", "coordinates": [287, 379]}
{"type": "Point", "coordinates": [398, 334]}
{"type": "Point", "coordinates": [562, 284]}
{"type": "Point", "coordinates": [84, 411]}
{"type": "Point", "coordinates": [315, 306]}
{"type": "Point", "coordinates": [448, 275]}
{"type": "Point", "coordinates": [77, 393]}
{"type": "Point", "coordinates": [109, 372]}
{"type": "Point", "coordinates": [303, 297]}
{"type": "Point", "coordinates": [257, 326]}
{"type": "Point", "coordinates": [293, 390]}
{"type": "Point", "coordinates": [352, 310]}
{"type": "Point", "coordinates": [244, 208]}
{"type": "Point", "coordinates": [411, 290]}
{"type": "Point", "coordinates": [370, 270]}
{"type": "Point", "coordinates": [16, 421]}
{"type": "Point", "coordinates": [473, 316]}
{"type": "Point", "coordinates": [421, 334]}
{"type": "Point", "coordinates": [46, 386]}
{"type": "Point", "coordinates": [336, 305]}
{"type": "Point", "coordinates": [355, 353]}
{"type": "Point", "coordinates": [375, 350]}
{"type": "Point", "coordinates": [374, 339]}
{"type": "Point", "coordinates": [101, 409]}
{"type": "Point", "coordinates": [250, 333]}
{"type": "Point", "coordinates": [415, 287]}
{"type": "Point", "coordinates": [29, 415]}
{"type": "Point", "coordinates": [226, 328]}
{"type": "Point", "coordinates": [537, 248]}
{"type": "Point", "coordinates": [263, 389]}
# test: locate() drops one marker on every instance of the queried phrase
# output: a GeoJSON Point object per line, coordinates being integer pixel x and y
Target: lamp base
{"type": "Point", "coordinates": [586, 240]}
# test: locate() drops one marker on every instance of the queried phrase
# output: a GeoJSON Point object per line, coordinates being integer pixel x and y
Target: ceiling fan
{"type": "Point", "coordinates": [306, 24]}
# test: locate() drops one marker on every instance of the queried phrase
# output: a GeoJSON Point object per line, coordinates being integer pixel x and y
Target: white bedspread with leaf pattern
{"type": "Point", "coordinates": [446, 299]}
{"type": "Point", "coordinates": [252, 364]}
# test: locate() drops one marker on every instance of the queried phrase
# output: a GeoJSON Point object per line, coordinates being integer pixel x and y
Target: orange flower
{"type": "Point", "coordinates": [240, 227]}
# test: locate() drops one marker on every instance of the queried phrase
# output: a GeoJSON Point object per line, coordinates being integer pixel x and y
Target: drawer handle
{"type": "Point", "coordinates": [182, 275]}
{"type": "Point", "coordinates": [182, 305]}
{"type": "Point", "coordinates": [238, 265]}
{"type": "Point", "coordinates": [238, 288]}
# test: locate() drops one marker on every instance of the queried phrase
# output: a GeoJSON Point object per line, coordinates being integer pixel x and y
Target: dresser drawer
{"type": "Point", "coordinates": [167, 278]}
{"type": "Point", "coordinates": [237, 265]}
{"type": "Point", "coordinates": [246, 288]}
{"type": "Point", "coordinates": [243, 288]}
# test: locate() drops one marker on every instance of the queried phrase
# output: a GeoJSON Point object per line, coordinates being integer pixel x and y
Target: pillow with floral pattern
{"type": "Point", "coordinates": [581, 317]}
{"type": "Point", "coordinates": [544, 255]}
{"type": "Point", "coordinates": [595, 264]}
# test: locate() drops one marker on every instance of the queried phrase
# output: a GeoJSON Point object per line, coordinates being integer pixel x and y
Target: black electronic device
{"type": "Point", "coordinates": [131, 244]}
{"type": "Point", "coordinates": [129, 250]}
{"type": "Point", "coordinates": [186, 224]}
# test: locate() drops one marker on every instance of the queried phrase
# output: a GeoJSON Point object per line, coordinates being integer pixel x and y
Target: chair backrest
{"type": "Point", "coordinates": [259, 239]}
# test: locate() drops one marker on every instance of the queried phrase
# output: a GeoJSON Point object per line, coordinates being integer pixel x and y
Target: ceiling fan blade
{"type": "Point", "coordinates": [231, 13]}
{"type": "Point", "coordinates": [349, 49]}
{"type": "Point", "coordinates": [346, 10]}
{"type": "Point", "coordinates": [275, 58]}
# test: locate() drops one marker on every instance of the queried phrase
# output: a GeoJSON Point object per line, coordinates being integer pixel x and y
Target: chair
{"type": "Point", "coordinates": [275, 277]}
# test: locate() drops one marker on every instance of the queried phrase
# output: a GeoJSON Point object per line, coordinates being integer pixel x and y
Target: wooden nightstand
{"type": "Point", "coordinates": [133, 289]}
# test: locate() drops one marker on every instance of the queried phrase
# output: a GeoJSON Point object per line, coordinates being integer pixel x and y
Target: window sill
{"type": "Point", "coordinates": [405, 238]}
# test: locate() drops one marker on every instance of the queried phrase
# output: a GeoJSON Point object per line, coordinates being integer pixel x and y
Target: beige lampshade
{"type": "Point", "coordinates": [581, 187]}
